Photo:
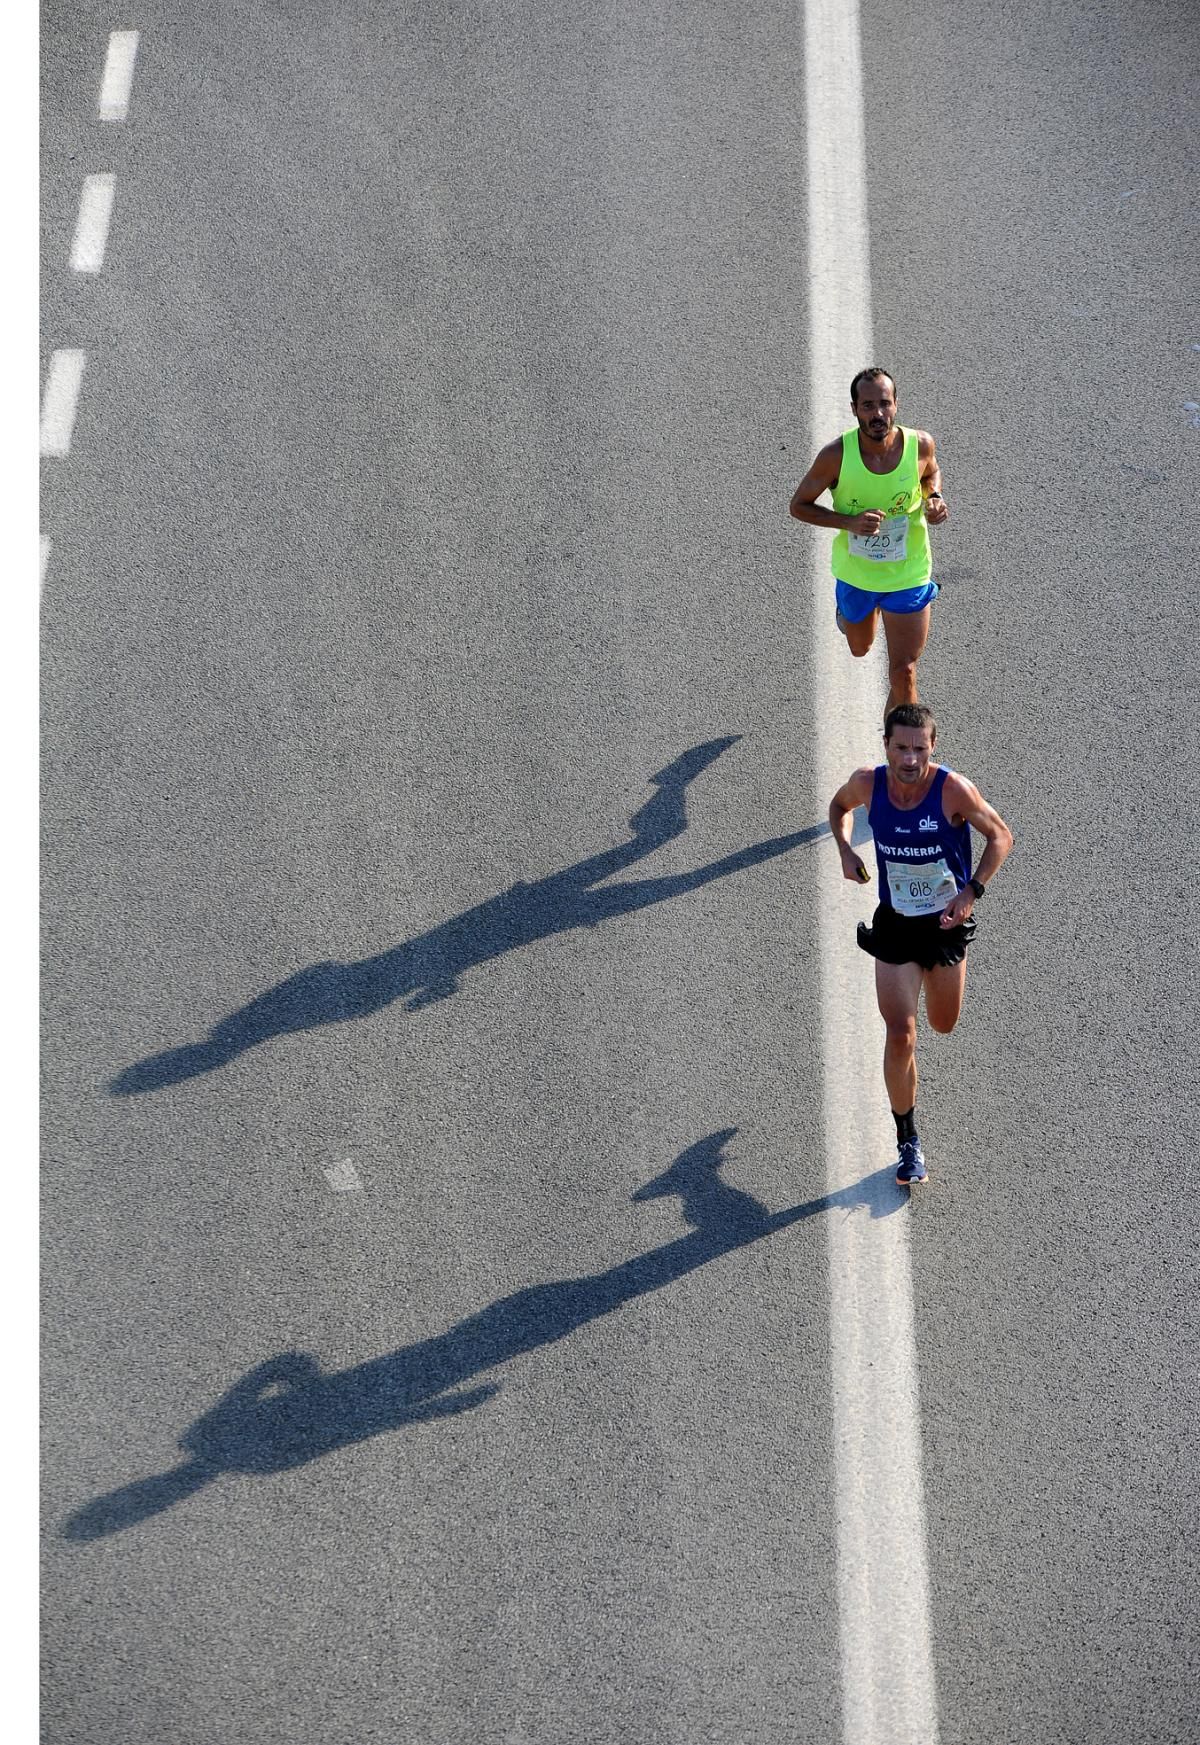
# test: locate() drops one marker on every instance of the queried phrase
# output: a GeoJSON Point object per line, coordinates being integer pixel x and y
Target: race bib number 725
{"type": "Point", "coordinates": [889, 545]}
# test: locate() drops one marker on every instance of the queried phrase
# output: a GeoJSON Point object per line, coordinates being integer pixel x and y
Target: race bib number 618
{"type": "Point", "coordinates": [923, 888]}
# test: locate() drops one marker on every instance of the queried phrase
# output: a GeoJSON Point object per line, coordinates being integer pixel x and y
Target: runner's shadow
{"type": "Point", "coordinates": [429, 967]}
{"type": "Point", "coordinates": [287, 1412]}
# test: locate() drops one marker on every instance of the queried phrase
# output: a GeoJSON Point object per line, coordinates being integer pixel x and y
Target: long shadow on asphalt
{"type": "Point", "coordinates": [428, 968]}
{"type": "Point", "coordinates": [286, 1412]}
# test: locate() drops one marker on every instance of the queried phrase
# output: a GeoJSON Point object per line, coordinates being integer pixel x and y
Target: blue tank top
{"type": "Point", "coordinates": [923, 859]}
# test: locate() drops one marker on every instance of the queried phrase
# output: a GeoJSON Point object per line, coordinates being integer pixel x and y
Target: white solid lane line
{"type": "Point", "coordinates": [117, 82]}
{"type": "Point", "coordinates": [91, 227]}
{"type": "Point", "coordinates": [888, 1695]}
{"type": "Point", "coordinates": [59, 400]}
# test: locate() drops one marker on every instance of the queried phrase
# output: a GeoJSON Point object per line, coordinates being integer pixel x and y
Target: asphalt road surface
{"type": "Point", "coordinates": [436, 1307]}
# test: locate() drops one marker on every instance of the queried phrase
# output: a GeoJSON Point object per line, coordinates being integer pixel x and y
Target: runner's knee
{"type": "Point", "coordinates": [942, 1022]}
{"type": "Point", "coordinates": [859, 637]}
{"type": "Point", "coordinates": [902, 1032]}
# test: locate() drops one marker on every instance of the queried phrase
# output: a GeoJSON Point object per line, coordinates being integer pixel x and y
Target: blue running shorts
{"type": "Point", "coordinates": [855, 604]}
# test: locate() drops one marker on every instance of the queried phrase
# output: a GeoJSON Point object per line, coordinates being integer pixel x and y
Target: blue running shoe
{"type": "Point", "coordinates": [912, 1171]}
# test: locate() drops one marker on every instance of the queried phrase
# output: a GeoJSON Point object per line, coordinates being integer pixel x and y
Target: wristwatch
{"type": "Point", "coordinates": [977, 888]}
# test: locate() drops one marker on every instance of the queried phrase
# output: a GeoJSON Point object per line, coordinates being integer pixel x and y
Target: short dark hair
{"type": "Point", "coordinates": [869, 375]}
{"type": "Point", "coordinates": [910, 715]}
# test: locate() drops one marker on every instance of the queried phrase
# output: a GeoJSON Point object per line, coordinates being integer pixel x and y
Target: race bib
{"type": "Point", "coordinates": [924, 888]}
{"type": "Point", "coordinates": [889, 545]}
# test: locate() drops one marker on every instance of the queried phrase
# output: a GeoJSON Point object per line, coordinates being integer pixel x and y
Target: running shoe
{"type": "Point", "coordinates": [912, 1171]}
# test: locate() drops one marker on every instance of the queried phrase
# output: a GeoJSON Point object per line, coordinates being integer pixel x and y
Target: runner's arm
{"type": "Point", "coordinates": [822, 476]}
{"type": "Point", "coordinates": [931, 480]}
{"type": "Point", "coordinates": [856, 792]}
{"type": "Point", "coordinates": [962, 801]}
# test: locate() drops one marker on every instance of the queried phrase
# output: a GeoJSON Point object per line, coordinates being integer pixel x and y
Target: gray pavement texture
{"type": "Point", "coordinates": [427, 741]}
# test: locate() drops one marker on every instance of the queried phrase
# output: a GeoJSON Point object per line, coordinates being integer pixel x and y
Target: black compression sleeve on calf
{"type": "Point", "coordinates": [906, 1127]}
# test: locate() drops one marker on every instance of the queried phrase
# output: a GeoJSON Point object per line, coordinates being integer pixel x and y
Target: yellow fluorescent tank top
{"type": "Point", "coordinates": [898, 556]}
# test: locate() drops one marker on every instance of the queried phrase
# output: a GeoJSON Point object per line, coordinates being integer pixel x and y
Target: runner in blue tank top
{"type": "Point", "coordinates": [921, 815]}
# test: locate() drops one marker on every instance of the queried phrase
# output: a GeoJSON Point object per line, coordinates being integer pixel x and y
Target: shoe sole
{"type": "Point", "coordinates": [913, 1181]}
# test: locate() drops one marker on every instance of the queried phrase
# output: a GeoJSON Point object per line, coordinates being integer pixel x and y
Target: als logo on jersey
{"type": "Point", "coordinates": [928, 824]}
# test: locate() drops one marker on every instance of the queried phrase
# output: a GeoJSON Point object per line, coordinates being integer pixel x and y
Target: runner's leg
{"type": "Point", "coordinates": [857, 617]}
{"type": "Point", "coordinates": [860, 636]}
{"type": "Point", "coordinates": [944, 994]}
{"type": "Point", "coordinates": [907, 634]}
{"type": "Point", "coordinates": [898, 988]}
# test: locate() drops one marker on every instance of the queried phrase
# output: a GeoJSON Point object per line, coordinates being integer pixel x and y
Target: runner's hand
{"type": "Point", "coordinates": [936, 511]}
{"type": "Point", "coordinates": [870, 521]}
{"type": "Point", "coordinates": [955, 913]}
{"type": "Point", "coordinates": [854, 868]}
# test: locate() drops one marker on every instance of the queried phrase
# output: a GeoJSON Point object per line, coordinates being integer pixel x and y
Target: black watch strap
{"type": "Point", "coordinates": [977, 888]}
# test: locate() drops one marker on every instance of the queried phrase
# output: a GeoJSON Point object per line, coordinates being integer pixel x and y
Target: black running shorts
{"type": "Point", "coordinates": [895, 938]}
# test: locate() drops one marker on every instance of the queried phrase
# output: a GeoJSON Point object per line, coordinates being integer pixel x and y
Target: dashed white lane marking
{"type": "Point", "coordinates": [117, 82]}
{"type": "Point", "coordinates": [91, 227]}
{"type": "Point", "coordinates": [888, 1695]}
{"type": "Point", "coordinates": [343, 1177]}
{"type": "Point", "coordinates": [59, 400]}
{"type": "Point", "coordinates": [43, 560]}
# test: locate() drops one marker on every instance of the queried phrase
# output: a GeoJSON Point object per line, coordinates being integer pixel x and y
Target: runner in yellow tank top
{"type": "Point", "coordinates": [886, 487]}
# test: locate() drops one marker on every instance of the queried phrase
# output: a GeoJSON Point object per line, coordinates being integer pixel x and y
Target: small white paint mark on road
{"type": "Point", "coordinates": [343, 1177]}
{"type": "Point", "coordinates": [118, 75]}
{"type": "Point", "coordinates": [43, 560]}
{"type": "Point", "coordinates": [91, 227]}
{"type": "Point", "coordinates": [59, 400]}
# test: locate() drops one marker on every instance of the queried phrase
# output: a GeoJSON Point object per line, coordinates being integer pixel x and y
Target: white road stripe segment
{"type": "Point", "coordinates": [343, 1178]}
{"type": "Point", "coordinates": [91, 227]}
{"type": "Point", "coordinates": [43, 560]}
{"type": "Point", "coordinates": [60, 397]}
{"type": "Point", "coordinates": [117, 82]}
{"type": "Point", "coordinates": [888, 1694]}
